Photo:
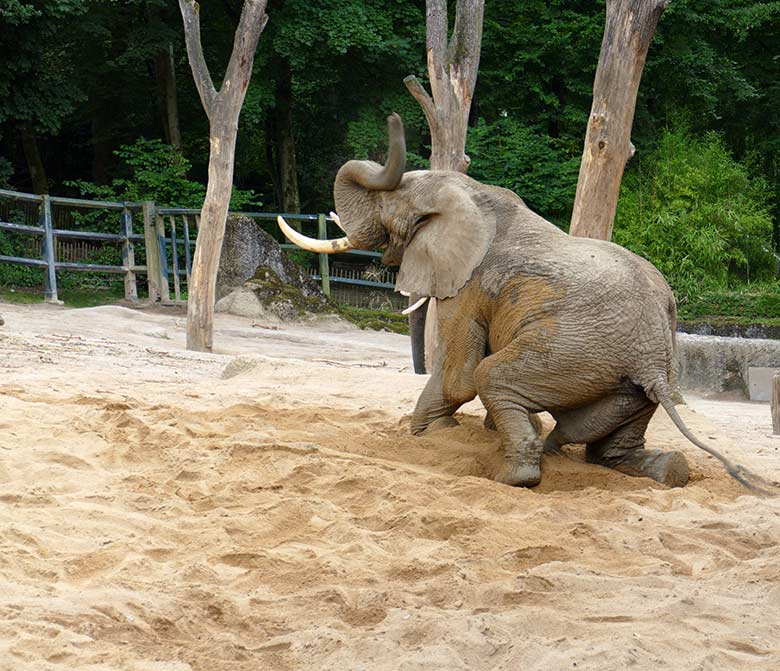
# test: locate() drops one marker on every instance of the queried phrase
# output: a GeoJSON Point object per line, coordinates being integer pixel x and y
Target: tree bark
{"type": "Point", "coordinates": [630, 26]}
{"type": "Point", "coordinates": [34, 163]}
{"type": "Point", "coordinates": [452, 70]}
{"type": "Point", "coordinates": [223, 109]}
{"type": "Point", "coordinates": [285, 142]}
{"type": "Point", "coordinates": [169, 104]}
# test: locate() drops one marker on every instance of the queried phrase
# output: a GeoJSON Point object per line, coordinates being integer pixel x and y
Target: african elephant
{"type": "Point", "coordinates": [529, 318]}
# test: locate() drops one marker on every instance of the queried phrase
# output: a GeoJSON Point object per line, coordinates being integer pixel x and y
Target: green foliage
{"type": "Point", "coordinates": [758, 304]}
{"type": "Point", "coordinates": [376, 320]}
{"type": "Point", "coordinates": [533, 165]}
{"type": "Point", "coordinates": [695, 212]}
{"type": "Point", "coordinates": [156, 171]}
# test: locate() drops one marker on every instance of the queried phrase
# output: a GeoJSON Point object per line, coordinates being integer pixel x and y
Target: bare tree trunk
{"type": "Point", "coordinates": [223, 109]}
{"type": "Point", "coordinates": [34, 163]}
{"type": "Point", "coordinates": [629, 30]}
{"type": "Point", "coordinates": [285, 142]}
{"type": "Point", "coordinates": [452, 70]}
{"type": "Point", "coordinates": [169, 103]}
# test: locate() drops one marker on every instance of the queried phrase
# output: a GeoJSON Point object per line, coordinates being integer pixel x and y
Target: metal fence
{"type": "Point", "coordinates": [166, 245]}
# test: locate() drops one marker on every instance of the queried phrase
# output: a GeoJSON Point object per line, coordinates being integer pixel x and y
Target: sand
{"type": "Point", "coordinates": [264, 507]}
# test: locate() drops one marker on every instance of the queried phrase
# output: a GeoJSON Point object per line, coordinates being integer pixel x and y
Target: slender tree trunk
{"type": "Point", "coordinates": [452, 70]}
{"type": "Point", "coordinates": [101, 147]}
{"type": "Point", "coordinates": [169, 104]}
{"type": "Point", "coordinates": [285, 142]}
{"type": "Point", "coordinates": [630, 26]}
{"type": "Point", "coordinates": [34, 163]}
{"type": "Point", "coordinates": [223, 109]}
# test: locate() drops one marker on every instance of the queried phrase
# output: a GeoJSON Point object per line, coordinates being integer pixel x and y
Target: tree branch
{"type": "Point", "coordinates": [421, 96]}
{"type": "Point", "coordinates": [239, 69]}
{"type": "Point", "coordinates": [190, 14]}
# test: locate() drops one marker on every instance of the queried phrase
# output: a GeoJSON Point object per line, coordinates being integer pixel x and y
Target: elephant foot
{"type": "Point", "coordinates": [522, 466]}
{"type": "Point", "coordinates": [519, 475]}
{"type": "Point", "coordinates": [668, 468]}
{"type": "Point", "coordinates": [447, 422]}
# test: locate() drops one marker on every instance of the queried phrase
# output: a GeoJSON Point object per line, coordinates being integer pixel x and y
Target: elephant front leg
{"type": "Point", "coordinates": [452, 384]}
{"type": "Point", "coordinates": [434, 406]}
{"type": "Point", "coordinates": [498, 385]}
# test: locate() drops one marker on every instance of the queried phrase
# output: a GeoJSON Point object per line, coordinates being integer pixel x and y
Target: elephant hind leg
{"type": "Point", "coordinates": [614, 430]}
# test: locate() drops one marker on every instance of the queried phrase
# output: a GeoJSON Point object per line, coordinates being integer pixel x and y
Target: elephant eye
{"type": "Point", "coordinates": [422, 219]}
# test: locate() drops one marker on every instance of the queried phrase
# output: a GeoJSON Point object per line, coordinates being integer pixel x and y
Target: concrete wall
{"type": "Point", "coordinates": [714, 364]}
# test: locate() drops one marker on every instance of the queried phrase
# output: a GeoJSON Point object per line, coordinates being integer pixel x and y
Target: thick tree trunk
{"type": "Point", "coordinates": [169, 104]}
{"type": "Point", "coordinates": [34, 163]}
{"type": "Point", "coordinates": [452, 70]}
{"type": "Point", "coordinates": [630, 26]}
{"type": "Point", "coordinates": [223, 109]}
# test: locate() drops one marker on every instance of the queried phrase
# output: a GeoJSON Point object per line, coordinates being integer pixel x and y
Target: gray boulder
{"type": "Point", "coordinates": [256, 279]}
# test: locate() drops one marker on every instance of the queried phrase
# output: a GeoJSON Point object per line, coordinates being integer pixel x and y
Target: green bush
{"type": "Point", "coordinates": [156, 171]}
{"type": "Point", "coordinates": [755, 304]}
{"type": "Point", "coordinates": [538, 168]}
{"type": "Point", "coordinates": [696, 213]}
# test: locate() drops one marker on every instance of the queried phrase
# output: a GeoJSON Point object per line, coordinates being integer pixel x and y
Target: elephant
{"type": "Point", "coordinates": [528, 318]}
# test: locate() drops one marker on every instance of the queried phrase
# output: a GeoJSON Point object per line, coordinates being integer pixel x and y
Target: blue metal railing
{"type": "Point", "coordinates": [170, 228]}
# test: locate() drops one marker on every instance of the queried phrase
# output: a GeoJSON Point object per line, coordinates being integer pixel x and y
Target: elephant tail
{"type": "Point", "coordinates": [660, 392]}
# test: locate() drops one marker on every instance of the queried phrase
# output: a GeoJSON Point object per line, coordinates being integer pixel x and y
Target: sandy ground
{"type": "Point", "coordinates": [165, 511]}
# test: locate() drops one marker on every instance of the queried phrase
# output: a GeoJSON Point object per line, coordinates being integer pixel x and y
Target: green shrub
{"type": "Point", "coordinates": [156, 171]}
{"type": "Point", "coordinates": [538, 168]}
{"type": "Point", "coordinates": [696, 213]}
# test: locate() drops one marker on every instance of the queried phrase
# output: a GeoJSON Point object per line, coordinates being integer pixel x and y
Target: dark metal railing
{"type": "Point", "coordinates": [165, 228]}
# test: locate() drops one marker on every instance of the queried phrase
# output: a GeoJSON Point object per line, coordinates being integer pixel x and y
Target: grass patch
{"type": "Point", "coordinates": [735, 307]}
{"type": "Point", "coordinates": [87, 297]}
{"type": "Point", "coordinates": [376, 320]}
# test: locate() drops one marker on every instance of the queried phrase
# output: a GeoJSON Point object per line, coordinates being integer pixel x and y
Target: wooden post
{"type": "Point", "coordinates": [775, 404]}
{"type": "Point", "coordinates": [128, 255]}
{"type": "Point", "coordinates": [187, 259]}
{"type": "Point", "coordinates": [165, 290]}
{"type": "Point", "coordinates": [324, 262]}
{"type": "Point", "coordinates": [47, 252]}
{"type": "Point", "coordinates": [175, 259]}
{"type": "Point", "coordinates": [152, 253]}
{"type": "Point", "coordinates": [629, 30]}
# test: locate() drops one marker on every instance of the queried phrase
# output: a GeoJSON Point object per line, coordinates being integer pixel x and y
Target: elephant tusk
{"type": "Point", "coordinates": [312, 244]}
{"type": "Point", "coordinates": [337, 220]}
{"type": "Point", "coordinates": [412, 308]}
{"type": "Point", "coordinates": [405, 293]}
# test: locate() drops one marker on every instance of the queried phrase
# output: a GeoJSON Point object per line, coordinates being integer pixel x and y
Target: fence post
{"type": "Point", "coordinates": [152, 255]}
{"type": "Point", "coordinates": [48, 255]}
{"type": "Point", "coordinates": [165, 291]}
{"type": "Point", "coordinates": [128, 255]}
{"type": "Point", "coordinates": [324, 261]}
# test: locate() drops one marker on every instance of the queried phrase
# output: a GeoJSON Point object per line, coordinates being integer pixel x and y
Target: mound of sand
{"type": "Point", "coordinates": [264, 507]}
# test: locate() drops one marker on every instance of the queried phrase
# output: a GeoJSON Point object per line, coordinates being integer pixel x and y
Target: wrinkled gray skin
{"type": "Point", "coordinates": [529, 318]}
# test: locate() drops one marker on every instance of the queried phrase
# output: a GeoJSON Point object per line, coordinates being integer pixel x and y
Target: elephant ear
{"type": "Point", "coordinates": [444, 252]}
